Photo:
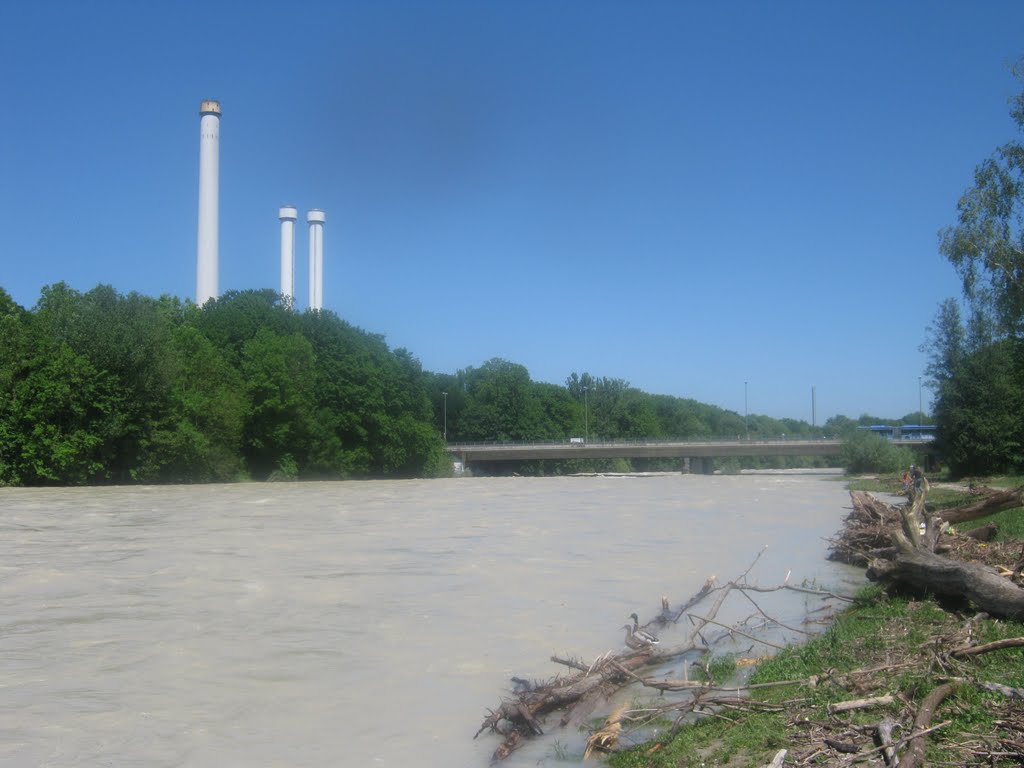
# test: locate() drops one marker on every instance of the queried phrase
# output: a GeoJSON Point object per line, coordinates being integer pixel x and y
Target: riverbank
{"type": "Point", "coordinates": [906, 666]}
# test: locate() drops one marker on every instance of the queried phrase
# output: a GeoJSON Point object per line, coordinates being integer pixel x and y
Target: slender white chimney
{"type": "Point", "coordinates": [288, 215]}
{"type": "Point", "coordinates": [209, 194]}
{"type": "Point", "coordinates": [316, 219]}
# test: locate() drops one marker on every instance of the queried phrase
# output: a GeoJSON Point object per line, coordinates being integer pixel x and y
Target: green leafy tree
{"type": "Point", "coordinates": [373, 412]}
{"type": "Point", "coordinates": [237, 316]}
{"type": "Point", "coordinates": [980, 411]}
{"type": "Point", "coordinates": [199, 437]}
{"type": "Point", "coordinates": [559, 417]}
{"type": "Point", "coordinates": [975, 367]}
{"type": "Point", "coordinates": [499, 404]}
{"type": "Point", "coordinates": [15, 351]}
{"type": "Point", "coordinates": [124, 338]}
{"type": "Point", "coordinates": [866, 452]}
{"type": "Point", "coordinates": [986, 245]}
{"type": "Point", "coordinates": [680, 418]}
{"type": "Point", "coordinates": [60, 416]}
{"type": "Point", "coordinates": [278, 374]}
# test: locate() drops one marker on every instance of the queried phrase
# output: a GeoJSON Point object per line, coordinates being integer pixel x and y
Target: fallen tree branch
{"type": "Point", "coordinates": [906, 739]}
{"type": "Point", "coordinates": [915, 750]}
{"type": "Point", "coordinates": [926, 571]}
{"type": "Point", "coordinates": [579, 693]}
{"type": "Point", "coordinates": [992, 502]}
{"type": "Point", "coordinates": [997, 645]}
{"type": "Point", "coordinates": [1005, 690]}
{"type": "Point", "coordinates": [846, 706]}
{"type": "Point", "coordinates": [735, 631]}
{"type": "Point", "coordinates": [883, 736]}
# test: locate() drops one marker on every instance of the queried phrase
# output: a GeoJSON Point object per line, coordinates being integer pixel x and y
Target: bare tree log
{"type": "Point", "coordinates": [927, 571]}
{"type": "Point", "coordinates": [884, 739]}
{"type": "Point", "coordinates": [984, 533]}
{"type": "Point", "coordinates": [995, 645]}
{"type": "Point", "coordinates": [518, 718]}
{"type": "Point", "coordinates": [915, 753]}
{"type": "Point", "coordinates": [1005, 690]}
{"type": "Point", "coordinates": [846, 747]}
{"type": "Point", "coordinates": [913, 520]}
{"type": "Point", "coordinates": [873, 526]}
{"type": "Point", "coordinates": [870, 508]}
{"type": "Point", "coordinates": [779, 760]}
{"type": "Point", "coordinates": [995, 501]}
{"type": "Point", "coordinates": [845, 706]}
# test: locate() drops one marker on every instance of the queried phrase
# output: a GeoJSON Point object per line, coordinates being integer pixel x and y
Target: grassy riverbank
{"type": "Point", "coordinates": [893, 646]}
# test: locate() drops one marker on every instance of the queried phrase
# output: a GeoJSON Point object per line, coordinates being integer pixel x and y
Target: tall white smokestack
{"type": "Point", "coordinates": [316, 219]}
{"type": "Point", "coordinates": [209, 196]}
{"type": "Point", "coordinates": [288, 215]}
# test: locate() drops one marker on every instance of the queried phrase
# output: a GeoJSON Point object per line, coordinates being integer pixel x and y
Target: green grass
{"type": "Point", "coordinates": [877, 630]}
{"type": "Point", "coordinates": [997, 481]}
{"type": "Point", "coordinates": [1010, 522]}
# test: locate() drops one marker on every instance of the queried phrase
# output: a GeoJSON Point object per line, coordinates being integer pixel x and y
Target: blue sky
{"type": "Point", "coordinates": [686, 196]}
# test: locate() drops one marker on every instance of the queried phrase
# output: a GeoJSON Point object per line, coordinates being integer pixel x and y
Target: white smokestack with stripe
{"type": "Point", "coordinates": [316, 219]}
{"type": "Point", "coordinates": [209, 201]}
{"type": "Point", "coordinates": [288, 216]}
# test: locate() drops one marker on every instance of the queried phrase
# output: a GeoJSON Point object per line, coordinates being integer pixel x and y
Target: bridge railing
{"type": "Point", "coordinates": [640, 441]}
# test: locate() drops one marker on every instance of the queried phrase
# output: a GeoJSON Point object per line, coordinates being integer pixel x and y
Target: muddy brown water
{"type": "Point", "coordinates": [359, 623]}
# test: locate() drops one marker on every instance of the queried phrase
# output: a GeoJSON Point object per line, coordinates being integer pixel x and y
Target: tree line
{"type": "Point", "coordinates": [102, 387]}
{"type": "Point", "coordinates": [975, 345]}
{"type": "Point", "coordinates": [99, 387]}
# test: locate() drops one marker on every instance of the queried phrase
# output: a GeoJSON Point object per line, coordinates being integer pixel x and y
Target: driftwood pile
{"type": "Point", "coordinates": [869, 529]}
{"type": "Point", "coordinates": [912, 546]}
{"type": "Point", "coordinates": [594, 683]}
{"type": "Point", "coordinates": [909, 546]}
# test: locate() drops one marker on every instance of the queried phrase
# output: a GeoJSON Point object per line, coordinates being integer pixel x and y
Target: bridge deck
{"type": "Point", "coordinates": [655, 449]}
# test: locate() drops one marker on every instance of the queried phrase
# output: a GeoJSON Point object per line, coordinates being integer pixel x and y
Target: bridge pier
{"type": "Point", "coordinates": [699, 465]}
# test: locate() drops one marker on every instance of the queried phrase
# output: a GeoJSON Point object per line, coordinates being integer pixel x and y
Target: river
{"type": "Point", "coordinates": [357, 623]}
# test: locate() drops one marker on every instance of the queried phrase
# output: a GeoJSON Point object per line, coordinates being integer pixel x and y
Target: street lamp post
{"type": "Point", "coordinates": [445, 416]}
{"type": "Point", "coordinates": [920, 403]}
{"type": "Point", "coordinates": [586, 417]}
{"type": "Point", "coordinates": [746, 426]}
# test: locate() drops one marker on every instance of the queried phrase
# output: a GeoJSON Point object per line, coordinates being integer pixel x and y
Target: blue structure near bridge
{"type": "Point", "coordinates": [903, 431]}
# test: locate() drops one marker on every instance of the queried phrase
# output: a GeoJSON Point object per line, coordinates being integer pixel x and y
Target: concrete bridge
{"type": "Point", "coordinates": [698, 455]}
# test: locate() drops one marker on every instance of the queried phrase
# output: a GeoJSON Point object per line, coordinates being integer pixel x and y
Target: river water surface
{"type": "Point", "coordinates": [357, 623]}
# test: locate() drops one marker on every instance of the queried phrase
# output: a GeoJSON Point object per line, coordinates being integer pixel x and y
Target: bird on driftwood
{"type": "Point", "coordinates": [632, 640]}
{"type": "Point", "coordinates": [639, 641]}
{"type": "Point", "coordinates": [642, 634]}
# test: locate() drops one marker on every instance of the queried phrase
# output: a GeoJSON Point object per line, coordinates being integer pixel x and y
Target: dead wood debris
{"type": "Point", "coordinates": [591, 684]}
{"type": "Point", "coordinates": [835, 736]}
{"type": "Point", "coordinates": [870, 527]}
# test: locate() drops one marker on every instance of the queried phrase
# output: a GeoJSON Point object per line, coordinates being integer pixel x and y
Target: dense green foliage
{"type": "Point", "coordinates": [867, 452]}
{"type": "Point", "coordinates": [977, 366]}
{"type": "Point", "coordinates": [979, 386]}
{"type": "Point", "coordinates": [986, 245]}
{"type": "Point", "coordinates": [99, 387]}
{"type": "Point", "coordinates": [498, 402]}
